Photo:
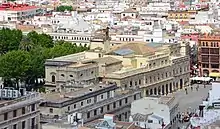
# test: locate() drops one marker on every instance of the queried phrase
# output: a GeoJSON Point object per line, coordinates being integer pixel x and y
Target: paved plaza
{"type": "Point", "coordinates": [192, 100]}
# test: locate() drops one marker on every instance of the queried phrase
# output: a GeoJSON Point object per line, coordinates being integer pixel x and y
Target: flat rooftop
{"type": "Point", "coordinates": [169, 100]}
{"type": "Point", "coordinates": [119, 124]}
{"type": "Point", "coordinates": [69, 58]}
{"type": "Point", "coordinates": [56, 97]}
{"type": "Point", "coordinates": [75, 65]}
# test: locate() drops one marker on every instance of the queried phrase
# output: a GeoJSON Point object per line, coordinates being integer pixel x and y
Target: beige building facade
{"type": "Point", "coordinates": [157, 73]}
{"type": "Point", "coordinates": [155, 67]}
{"type": "Point", "coordinates": [21, 113]}
{"type": "Point", "coordinates": [92, 102]}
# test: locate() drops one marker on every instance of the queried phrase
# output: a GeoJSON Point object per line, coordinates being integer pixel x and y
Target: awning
{"type": "Point", "coordinates": [214, 74]}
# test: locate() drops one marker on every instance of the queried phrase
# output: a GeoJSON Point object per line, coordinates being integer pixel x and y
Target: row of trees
{"type": "Point", "coordinates": [22, 58]}
{"type": "Point", "coordinates": [63, 8]}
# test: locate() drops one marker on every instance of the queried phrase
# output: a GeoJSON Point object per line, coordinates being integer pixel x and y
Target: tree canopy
{"type": "Point", "coordinates": [15, 65]}
{"type": "Point", "coordinates": [9, 40]}
{"type": "Point", "coordinates": [63, 8]}
{"type": "Point", "coordinates": [22, 58]}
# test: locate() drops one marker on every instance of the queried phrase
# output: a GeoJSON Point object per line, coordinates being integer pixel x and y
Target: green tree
{"type": "Point", "coordinates": [42, 40]}
{"type": "Point", "coordinates": [26, 44]}
{"type": "Point", "coordinates": [33, 37]}
{"type": "Point", "coordinates": [15, 65]}
{"type": "Point", "coordinates": [9, 40]}
{"type": "Point", "coordinates": [63, 8]}
{"type": "Point", "coordinates": [36, 65]}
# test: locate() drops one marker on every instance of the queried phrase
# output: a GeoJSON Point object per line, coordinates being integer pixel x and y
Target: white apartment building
{"type": "Point", "coordinates": [153, 112]}
{"type": "Point", "coordinates": [16, 12]}
{"type": "Point", "coordinates": [145, 35]}
{"type": "Point", "coordinates": [70, 27]}
{"type": "Point", "coordinates": [160, 9]}
{"type": "Point", "coordinates": [118, 8]}
{"type": "Point", "coordinates": [103, 17]}
{"type": "Point", "coordinates": [203, 18]}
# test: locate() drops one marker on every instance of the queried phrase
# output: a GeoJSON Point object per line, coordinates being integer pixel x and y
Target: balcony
{"type": "Point", "coordinates": [214, 51]}
{"type": "Point", "coordinates": [204, 51]}
{"type": "Point", "coordinates": [214, 59]}
{"type": "Point", "coordinates": [205, 58]}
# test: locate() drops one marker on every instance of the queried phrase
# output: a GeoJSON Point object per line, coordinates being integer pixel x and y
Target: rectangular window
{"type": "Point", "coordinates": [15, 126]}
{"type": "Point", "coordinates": [51, 110]}
{"type": "Point", "coordinates": [88, 115]}
{"type": "Point", "coordinates": [5, 116]}
{"type": "Point", "coordinates": [108, 107]}
{"type": "Point", "coordinates": [23, 110]}
{"type": "Point", "coordinates": [33, 123]}
{"type": "Point", "coordinates": [15, 113]}
{"type": "Point", "coordinates": [74, 106]}
{"type": "Point", "coordinates": [150, 121]}
{"type": "Point", "coordinates": [23, 124]}
{"type": "Point", "coordinates": [120, 103]}
{"type": "Point", "coordinates": [101, 110]}
{"type": "Point", "coordinates": [95, 112]}
{"type": "Point", "coordinates": [108, 94]}
{"type": "Point", "coordinates": [139, 82]}
{"type": "Point", "coordinates": [126, 100]}
{"type": "Point", "coordinates": [114, 105]}
{"type": "Point", "coordinates": [33, 107]}
{"type": "Point", "coordinates": [216, 66]}
{"type": "Point", "coordinates": [135, 97]}
{"type": "Point", "coordinates": [81, 103]}
{"type": "Point", "coordinates": [88, 101]}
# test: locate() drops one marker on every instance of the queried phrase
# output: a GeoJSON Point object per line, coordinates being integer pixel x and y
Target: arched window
{"type": "Point", "coordinates": [53, 78]}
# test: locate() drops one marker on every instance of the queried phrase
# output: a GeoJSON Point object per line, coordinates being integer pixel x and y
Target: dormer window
{"type": "Point", "coordinates": [62, 75]}
{"type": "Point", "coordinates": [71, 75]}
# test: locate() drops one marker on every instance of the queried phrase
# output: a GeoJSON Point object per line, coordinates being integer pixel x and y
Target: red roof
{"type": "Point", "coordinates": [16, 7]}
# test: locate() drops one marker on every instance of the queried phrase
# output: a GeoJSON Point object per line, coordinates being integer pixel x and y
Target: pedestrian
{"type": "Point", "coordinates": [197, 88]}
{"type": "Point", "coordinates": [186, 90]}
